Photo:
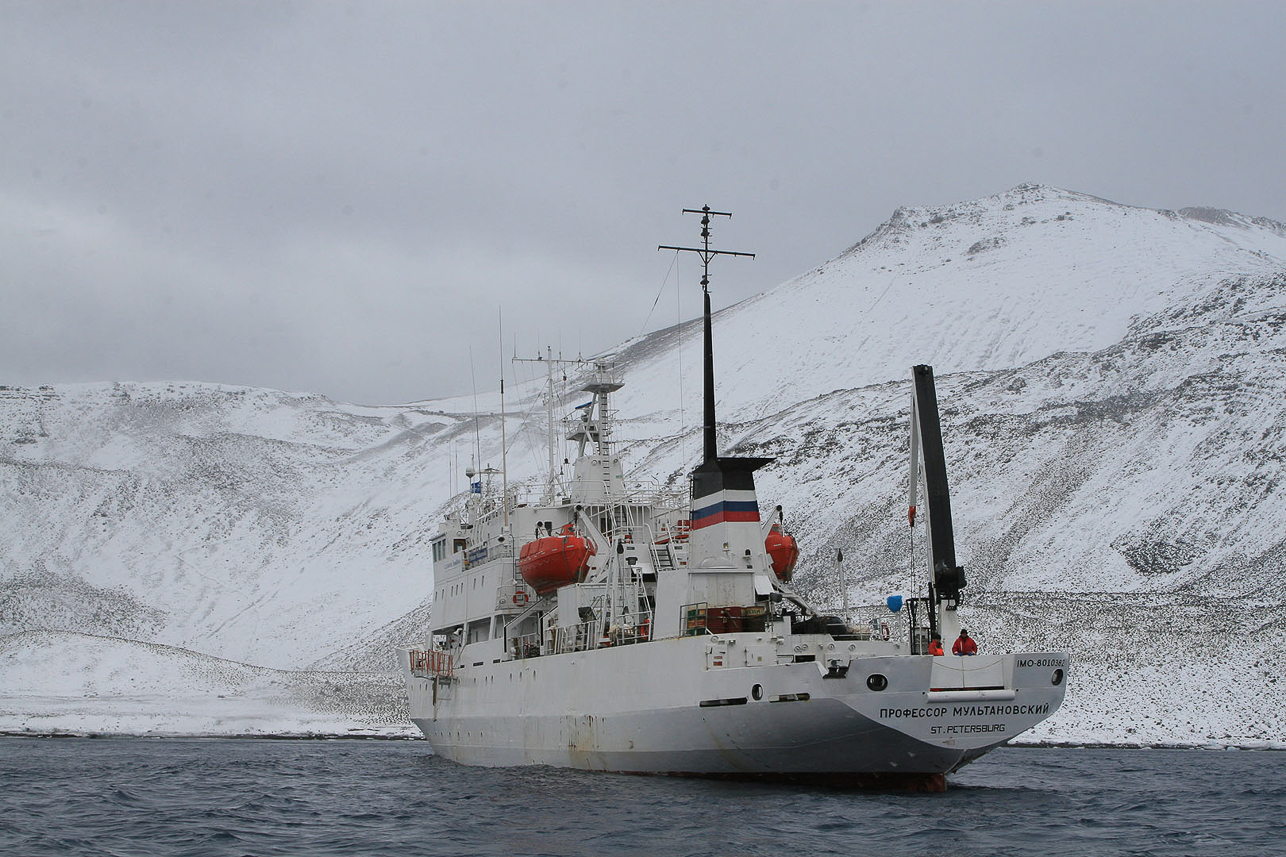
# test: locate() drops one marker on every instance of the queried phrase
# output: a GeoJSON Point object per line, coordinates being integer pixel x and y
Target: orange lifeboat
{"type": "Point", "coordinates": [554, 561]}
{"type": "Point", "coordinates": [783, 550]}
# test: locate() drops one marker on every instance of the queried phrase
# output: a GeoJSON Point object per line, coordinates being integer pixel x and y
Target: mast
{"type": "Point", "coordinates": [504, 452]}
{"type": "Point", "coordinates": [549, 417]}
{"type": "Point", "coordinates": [554, 471]}
{"type": "Point", "coordinates": [504, 458]}
{"type": "Point", "coordinates": [706, 254]}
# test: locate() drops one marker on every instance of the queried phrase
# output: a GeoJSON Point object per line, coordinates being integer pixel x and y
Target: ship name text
{"type": "Point", "coordinates": [964, 711]}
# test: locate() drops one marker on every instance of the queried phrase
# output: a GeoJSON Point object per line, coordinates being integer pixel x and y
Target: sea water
{"type": "Point", "coordinates": [136, 796]}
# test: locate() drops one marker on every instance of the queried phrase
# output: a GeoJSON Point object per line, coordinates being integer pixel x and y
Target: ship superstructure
{"type": "Point", "coordinates": [609, 627]}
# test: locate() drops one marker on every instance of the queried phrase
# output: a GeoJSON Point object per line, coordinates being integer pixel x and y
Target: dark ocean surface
{"type": "Point", "coordinates": [137, 796]}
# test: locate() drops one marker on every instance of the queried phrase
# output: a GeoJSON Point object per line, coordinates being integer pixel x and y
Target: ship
{"type": "Point", "coordinates": [612, 626]}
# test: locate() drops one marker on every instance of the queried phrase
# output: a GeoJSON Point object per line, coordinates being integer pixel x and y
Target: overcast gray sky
{"type": "Point", "coordinates": [343, 197]}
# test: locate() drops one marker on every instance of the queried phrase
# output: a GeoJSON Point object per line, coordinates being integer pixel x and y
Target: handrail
{"type": "Point", "coordinates": [583, 636]}
{"type": "Point", "coordinates": [432, 663]}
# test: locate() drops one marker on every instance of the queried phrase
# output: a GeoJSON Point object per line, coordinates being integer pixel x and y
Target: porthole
{"type": "Point", "coordinates": [1057, 678]}
{"type": "Point", "coordinates": [757, 692]}
{"type": "Point", "coordinates": [876, 682]}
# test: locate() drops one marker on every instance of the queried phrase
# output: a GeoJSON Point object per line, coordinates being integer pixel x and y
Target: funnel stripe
{"type": "Point", "coordinates": [726, 511]}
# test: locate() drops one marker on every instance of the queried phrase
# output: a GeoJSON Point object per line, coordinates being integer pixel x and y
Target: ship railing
{"type": "Point", "coordinates": [665, 501]}
{"type": "Point", "coordinates": [628, 629]}
{"type": "Point", "coordinates": [527, 496]}
{"type": "Point", "coordinates": [872, 622]}
{"type": "Point", "coordinates": [432, 663]}
{"type": "Point", "coordinates": [526, 646]}
{"type": "Point", "coordinates": [651, 494]}
{"type": "Point", "coordinates": [584, 636]}
{"type": "Point", "coordinates": [492, 506]}
{"type": "Point", "coordinates": [557, 641]}
{"type": "Point", "coordinates": [668, 548]}
{"type": "Point", "coordinates": [665, 546]}
{"type": "Point", "coordinates": [496, 547]}
{"type": "Point", "coordinates": [654, 493]}
{"type": "Point", "coordinates": [579, 637]}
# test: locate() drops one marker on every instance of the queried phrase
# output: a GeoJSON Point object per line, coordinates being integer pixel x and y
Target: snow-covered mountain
{"type": "Point", "coordinates": [1113, 406]}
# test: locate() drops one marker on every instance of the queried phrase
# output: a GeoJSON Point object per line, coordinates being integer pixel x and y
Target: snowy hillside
{"type": "Point", "coordinates": [239, 523]}
{"type": "Point", "coordinates": [1114, 417]}
{"type": "Point", "coordinates": [985, 285]}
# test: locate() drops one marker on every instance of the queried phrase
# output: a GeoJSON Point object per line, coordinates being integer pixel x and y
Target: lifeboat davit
{"type": "Point", "coordinates": [551, 562]}
{"type": "Point", "coordinates": [784, 551]}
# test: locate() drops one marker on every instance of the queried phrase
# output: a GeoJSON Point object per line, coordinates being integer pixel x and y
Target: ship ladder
{"type": "Point", "coordinates": [662, 558]}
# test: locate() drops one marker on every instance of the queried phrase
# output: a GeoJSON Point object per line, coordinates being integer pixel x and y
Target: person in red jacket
{"type": "Point", "coordinates": [935, 645]}
{"type": "Point", "coordinates": [964, 644]}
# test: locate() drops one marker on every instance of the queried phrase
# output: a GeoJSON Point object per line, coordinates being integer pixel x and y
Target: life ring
{"type": "Point", "coordinates": [884, 630]}
{"type": "Point", "coordinates": [520, 598]}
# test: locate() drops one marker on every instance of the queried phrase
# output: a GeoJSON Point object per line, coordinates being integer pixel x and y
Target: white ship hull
{"type": "Point", "coordinates": [691, 706]}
